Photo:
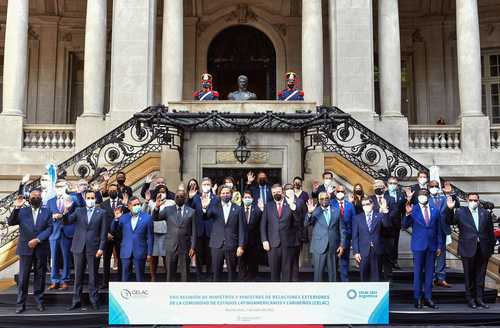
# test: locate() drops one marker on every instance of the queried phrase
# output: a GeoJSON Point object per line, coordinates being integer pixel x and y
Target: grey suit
{"type": "Point", "coordinates": [326, 238]}
{"type": "Point", "coordinates": [181, 237]}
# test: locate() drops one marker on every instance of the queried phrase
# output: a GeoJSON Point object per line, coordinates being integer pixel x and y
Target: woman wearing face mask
{"type": "Point", "coordinates": [358, 194]}
{"type": "Point", "coordinates": [229, 181]}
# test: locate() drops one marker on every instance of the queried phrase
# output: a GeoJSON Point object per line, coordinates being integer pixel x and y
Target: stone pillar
{"type": "Point", "coordinates": [312, 50]}
{"type": "Point", "coordinates": [15, 68]}
{"type": "Point", "coordinates": [172, 51]}
{"type": "Point", "coordinates": [95, 58]}
{"type": "Point", "coordinates": [333, 49]}
{"type": "Point", "coordinates": [469, 58]}
{"type": "Point", "coordinates": [389, 58]}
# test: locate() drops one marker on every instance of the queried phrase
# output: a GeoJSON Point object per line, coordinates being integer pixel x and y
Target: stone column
{"type": "Point", "coordinates": [312, 50]}
{"type": "Point", "coordinates": [172, 51]}
{"type": "Point", "coordinates": [15, 68]}
{"type": "Point", "coordinates": [389, 58]}
{"type": "Point", "coordinates": [469, 58]}
{"type": "Point", "coordinates": [95, 58]}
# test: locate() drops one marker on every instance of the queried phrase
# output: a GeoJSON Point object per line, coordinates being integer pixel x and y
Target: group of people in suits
{"type": "Point", "coordinates": [220, 227]}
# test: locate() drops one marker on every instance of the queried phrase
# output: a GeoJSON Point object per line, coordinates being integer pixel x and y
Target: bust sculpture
{"type": "Point", "coordinates": [242, 94]}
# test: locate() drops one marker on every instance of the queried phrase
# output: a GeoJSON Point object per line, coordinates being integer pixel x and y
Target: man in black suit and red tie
{"type": "Point", "coordinates": [249, 261]}
{"type": "Point", "coordinates": [278, 232]}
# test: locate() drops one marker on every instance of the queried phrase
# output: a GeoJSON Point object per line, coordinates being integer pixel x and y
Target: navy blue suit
{"type": "Point", "coordinates": [136, 245]}
{"type": "Point", "coordinates": [31, 257]}
{"type": "Point", "coordinates": [225, 237]}
{"type": "Point", "coordinates": [347, 219]}
{"type": "Point", "coordinates": [255, 189]}
{"type": "Point", "coordinates": [249, 263]}
{"type": "Point", "coordinates": [367, 241]}
{"type": "Point", "coordinates": [439, 202]}
{"type": "Point", "coordinates": [426, 239]}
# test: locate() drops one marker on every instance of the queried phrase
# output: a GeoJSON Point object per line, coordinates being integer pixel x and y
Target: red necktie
{"type": "Point", "coordinates": [280, 209]}
{"type": "Point", "coordinates": [342, 209]}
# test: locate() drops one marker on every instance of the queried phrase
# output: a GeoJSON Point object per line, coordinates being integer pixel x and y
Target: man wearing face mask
{"type": "Point", "coordinates": [397, 202]}
{"type": "Point", "coordinates": [426, 244]}
{"type": "Point", "coordinates": [88, 245]}
{"type": "Point", "coordinates": [203, 228]}
{"type": "Point", "coordinates": [261, 189]}
{"type": "Point", "coordinates": [122, 188]}
{"type": "Point", "coordinates": [227, 238]}
{"type": "Point", "coordinates": [60, 242]}
{"type": "Point", "coordinates": [136, 228]}
{"type": "Point", "coordinates": [301, 209]}
{"type": "Point", "coordinates": [422, 180]}
{"type": "Point", "coordinates": [328, 237]}
{"type": "Point", "coordinates": [35, 227]}
{"type": "Point", "coordinates": [327, 185]}
{"type": "Point", "coordinates": [278, 232]}
{"type": "Point", "coordinates": [347, 214]}
{"type": "Point", "coordinates": [367, 243]}
{"type": "Point", "coordinates": [181, 237]}
{"type": "Point", "coordinates": [476, 242]}
{"type": "Point", "coordinates": [249, 262]}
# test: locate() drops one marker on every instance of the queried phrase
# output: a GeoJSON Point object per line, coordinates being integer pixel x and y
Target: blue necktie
{"type": "Point", "coordinates": [89, 214]}
{"type": "Point", "coordinates": [369, 222]}
{"type": "Point", "coordinates": [326, 213]}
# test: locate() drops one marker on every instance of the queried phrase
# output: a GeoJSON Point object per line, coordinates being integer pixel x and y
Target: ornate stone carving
{"type": "Point", "coordinates": [227, 157]}
{"type": "Point", "coordinates": [281, 28]}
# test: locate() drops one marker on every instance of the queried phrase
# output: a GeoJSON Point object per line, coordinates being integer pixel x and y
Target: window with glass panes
{"type": "Point", "coordinates": [490, 69]}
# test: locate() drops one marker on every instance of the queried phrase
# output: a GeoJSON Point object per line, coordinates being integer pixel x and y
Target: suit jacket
{"type": "Point", "coordinates": [440, 202]}
{"type": "Point", "coordinates": [203, 227]}
{"type": "Point", "coordinates": [110, 215]}
{"type": "Point", "coordinates": [252, 226]}
{"type": "Point", "coordinates": [394, 207]}
{"type": "Point", "coordinates": [255, 190]}
{"type": "Point", "coordinates": [181, 234]}
{"type": "Point", "coordinates": [424, 237]}
{"type": "Point", "coordinates": [58, 227]}
{"type": "Point", "coordinates": [324, 234]}
{"type": "Point", "coordinates": [321, 188]}
{"type": "Point", "coordinates": [230, 234]}
{"type": "Point", "coordinates": [89, 237]}
{"type": "Point", "coordinates": [362, 237]}
{"type": "Point", "coordinates": [469, 235]}
{"type": "Point", "coordinates": [349, 214]}
{"type": "Point", "coordinates": [80, 198]}
{"type": "Point", "coordinates": [279, 231]}
{"type": "Point", "coordinates": [28, 230]}
{"type": "Point", "coordinates": [138, 242]}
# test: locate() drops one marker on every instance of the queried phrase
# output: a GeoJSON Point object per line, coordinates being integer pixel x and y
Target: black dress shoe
{"type": "Point", "coordinates": [428, 302]}
{"type": "Point", "coordinates": [40, 307]}
{"type": "Point", "coordinates": [20, 309]}
{"type": "Point", "coordinates": [418, 304]}
{"type": "Point", "coordinates": [480, 303]}
{"type": "Point", "coordinates": [94, 306]}
{"type": "Point", "coordinates": [472, 304]}
{"type": "Point", "coordinates": [74, 306]}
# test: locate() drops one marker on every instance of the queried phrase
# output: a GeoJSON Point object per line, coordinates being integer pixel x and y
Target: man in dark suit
{"type": "Point", "coordinates": [328, 236]}
{"type": "Point", "coordinates": [122, 187]}
{"type": "Point", "coordinates": [249, 261]}
{"type": "Point", "coordinates": [261, 189]}
{"type": "Point", "coordinates": [476, 242]}
{"type": "Point", "coordinates": [301, 209]}
{"type": "Point", "coordinates": [327, 186]}
{"type": "Point", "coordinates": [278, 232]}
{"type": "Point", "coordinates": [397, 202]}
{"type": "Point", "coordinates": [136, 229]}
{"type": "Point", "coordinates": [113, 239]}
{"type": "Point", "coordinates": [181, 234]}
{"type": "Point", "coordinates": [426, 244]}
{"type": "Point", "coordinates": [35, 227]}
{"type": "Point", "coordinates": [347, 214]}
{"type": "Point", "coordinates": [227, 238]}
{"type": "Point", "coordinates": [367, 242]}
{"type": "Point", "coordinates": [88, 245]}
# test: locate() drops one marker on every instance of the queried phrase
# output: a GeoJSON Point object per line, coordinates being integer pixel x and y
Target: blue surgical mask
{"type": "Point", "coordinates": [392, 187]}
{"type": "Point", "coordinates": [136, 209]}
{"type": "Point", "coordinates": [247, 201]}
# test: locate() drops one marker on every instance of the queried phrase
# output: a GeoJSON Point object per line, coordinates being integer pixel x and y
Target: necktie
{"type": "Point", "coordinates": [426, 216]}
{"type": "Point", "coordinates": [326, 212]}
{"type": "Point", "coordinates": [60, 204]}
{"type": "Point", "coordinates": [342, 209]}
{"type": "Point", "coordinates": [280, 209]}
{"type": "Point", "coordinates": [35, 216]}
{"type": "Point", "coordinates": [179, 214]}
{"type": "Point", "coordinates": [476, 219]}
{"type": "Point", "coordinates": [113, 205]}
{"type": "Point", "coordinates": [247, 214]}
{"type": "Point", "coordinates": [89, 214]}
{"type": "Point", "coordinates": [369, 222]}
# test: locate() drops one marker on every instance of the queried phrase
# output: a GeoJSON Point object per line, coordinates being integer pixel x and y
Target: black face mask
{"type": "Point", "coordinates": [36, 202]}
{"type": "Point", "coordinates": [297, 185]}
{"type": "Point", "coordinates": [120, 181]}
{"type": "Point", "coordinates": [179, 201]}
{"type": "Point", "coordinates": [113, 194]}
{"type": "Point", "coordinates": [379, 191]}
{"type": "Point", "coordinates": [262, 182]}
{"type": "Point", "coordinates": [278, 197]}
{"type": "Point", "coordinates": [359, 192]}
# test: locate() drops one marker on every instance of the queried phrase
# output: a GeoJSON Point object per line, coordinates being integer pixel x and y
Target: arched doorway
{"type": "Point", "coordinates": [243, 50]}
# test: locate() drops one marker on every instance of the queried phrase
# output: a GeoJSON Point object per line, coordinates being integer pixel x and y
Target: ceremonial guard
{"type": "Point", "coordinates": [291, 93]}
{"type": "Point", "coordinates": [206, 93]}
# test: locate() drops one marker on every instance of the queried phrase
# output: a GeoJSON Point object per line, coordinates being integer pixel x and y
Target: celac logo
{"type": "Point", "coordinates": [126, 294]}
{"type": "Point", "coordinates": [135, 293]}
{"type": "Point", "coordinates": [351, 294]}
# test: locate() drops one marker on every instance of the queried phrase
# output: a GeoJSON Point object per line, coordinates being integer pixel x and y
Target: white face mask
{"type": "Point", "coordinates": [473, 205]}
{"type": "Point", "coordinates": [327, 182]}
{"type": "Point", "coordinates": [340, 195]}
{"type": "Point", "coordinates": [422, 181]}
{"type": "Point", "coordinates": [60, 191]}
{"type": "Point", "coordinates": [367, 209]}
{"type": "Point", "coordinates": [206, 189]}
{"type": "Point", "coordinates": [229, 184]}
{"type": "Point", "coordinates": [90, 202]}
{"type": "Point", "coordinates": [422, 199]}
{"type": "Point", "coordinates": [434, 191]}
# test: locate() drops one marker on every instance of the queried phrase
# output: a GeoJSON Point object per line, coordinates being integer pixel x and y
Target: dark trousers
{"type": "Point", "coordinates": [423, 272]}
{"type": "Point", "coordinates": [369, 267]}
{"type": "Point", "coordinates": [396, 245]}
{"type": "Point", "coordinates": [108, 254]}
{"type": "Point", "coordinates": [218, 256]}
{"type": "Point", "coordinates": [295, 264]}
{"type": "Point", "coordinates": [139, 267]}
{"type": "Point", "coordinates": [344, 262]}
{"type": "Point", "coordinates": [203, 256]}
{"type": "Point", "coordinates": [474, 274]}
{"type": "Point", "coordinates": [39, 264]}
{"type": "Point", "coordinates": [388, 258]}
{"type": "Point", "coordinates": [248, 264]}
{"type": "Point", "coordinates": [178, 259]}
{"type": "Point", "coordinates": [329, 260]}
{"type": "Point", "coordinates": [280, 263]}
{"type": "Point", "coordinates": [91, 262]}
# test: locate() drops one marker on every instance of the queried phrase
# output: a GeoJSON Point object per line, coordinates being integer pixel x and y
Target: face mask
{"type": "Point", "coordinates": [113, 194]}
{"type": "Point", "coordinates": [327, 182]}
{"type": "Point", "coordinates": [422, 181]}
{"type": "Point", "coordinates": [206, 85]}
{"type": "Point", "coordinates": [230, 185]}
{"type": "Point", "coordinates": [136, 209]}
{"type": "Point", "coordinates": [325, 203]}
{"type": "Point", "coordinates": [358, 192]}
{"type": "Point", "coordinates": [423, 199]}
{"type": "Point", "coordinates": [392, 187]}
{"type": "Point", "coordinates": [278, 197]}
{"type": "Point", "coordinates": [289, 193]}
{"type": "Point", "coordinates": [367, 209]}
{"type": "Point", "coordinates": [473, 205]}
{"type": "Point", "coordinates": [36, 202]}
{"type": "Point", "coordinates": [179, 201]}
{"type": "Point", "coordinates": [206, 189]}
{"type": "Point", "coordinates": [297, 186]}
{"type": "Point", "coordinates": [340, 195]}
{"type": "Point", "coordinates": [262, 181]}
{"type": "Point", "coordinates": [226, 199]}
{"type": "Point", "coordinates": [379, 191]}
{"type": "Point", "coordinates": [247, 201]}
{"type": "Point", "coordinates": [60, 191]}
{"type": "Point", "coordinates": [90, 202]}
{"type": "Point", "coordinates": [120, 181]}
{"type": "Point", "coordinates": [434, 190]}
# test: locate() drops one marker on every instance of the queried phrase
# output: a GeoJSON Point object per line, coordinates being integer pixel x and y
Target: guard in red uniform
{"type": "Point", "coordinates": [206, 93]}
{"type": "Point", "coordinates": [291, 93]}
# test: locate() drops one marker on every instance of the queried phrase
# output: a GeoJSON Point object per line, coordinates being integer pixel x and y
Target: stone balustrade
{"type": "Point", "coordinates": [434, 137]}
{"type": "Point", "coordinates": [49, 136]}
